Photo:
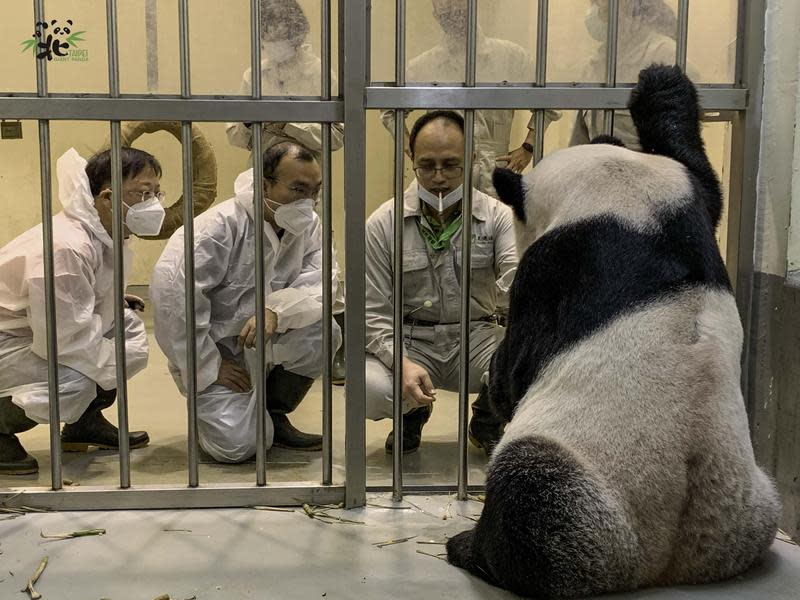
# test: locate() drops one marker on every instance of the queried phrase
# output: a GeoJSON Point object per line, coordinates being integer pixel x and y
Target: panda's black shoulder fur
{"type": "Point", "coordinates": [577, 278]}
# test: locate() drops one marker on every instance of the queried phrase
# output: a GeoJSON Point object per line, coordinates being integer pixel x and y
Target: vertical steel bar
{"type": "Point", "coordinates": [356, 13]}
{"type": "Point", "coordinates": [397, 284]}
{"type": "Point", "coordinates": [682, 40]}
{"type": "Point", "coordinates": [611, 59]}
{"type": "Point", "coordinates": [258, 213]}
{"type": "Point", "coordinates": [151, 44]}
{"type": "Point", "coordinates": [188, 249]}
{"type": "Point", "coordinates": [119, 249]}
{"type": "Point", "coordinates": [741, 38]}
{"type": "Point", "coordinates": [49, 280]}
{"type": "Point", "coordinates": [466, 256]}
{"type": "Point", "coordinates": [541, 74]}
{"type": "Point", "coordinates": [327, 256]}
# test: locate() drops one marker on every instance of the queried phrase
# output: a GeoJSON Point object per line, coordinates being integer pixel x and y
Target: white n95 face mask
{"type": "Point", "coordinates": [441, 203]}
{"type": "Point", "coordinates": [295, 217]}
{"type": "Point", "coordinates": [595, 25]}
{"type": "Point", "coordinates": [145, 218]}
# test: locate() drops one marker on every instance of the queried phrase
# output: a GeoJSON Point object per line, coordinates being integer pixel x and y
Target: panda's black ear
{"type": "Point", "coordinates": [510, 190]}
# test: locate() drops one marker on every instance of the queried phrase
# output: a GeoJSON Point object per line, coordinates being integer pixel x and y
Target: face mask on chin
{"type": "Point", "coordinates": [438, 202]}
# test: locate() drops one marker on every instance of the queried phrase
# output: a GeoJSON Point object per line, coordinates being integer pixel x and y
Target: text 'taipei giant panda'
{"type": "Point", "coordinates": [627, 460]}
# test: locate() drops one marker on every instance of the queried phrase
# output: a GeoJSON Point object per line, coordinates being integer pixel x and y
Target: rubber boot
{"type": "Point", "coordinates": [14, 459]}
{"type": "Point", "coordinates": [413, 422]}
{"type": "Point", "coordinates": [285, 391]}
{"type": "Point", "coordinates": [93, 429]}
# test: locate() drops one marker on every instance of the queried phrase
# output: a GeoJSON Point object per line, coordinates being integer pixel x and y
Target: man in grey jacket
{"type": "Point", "coordinates": [432, 285]}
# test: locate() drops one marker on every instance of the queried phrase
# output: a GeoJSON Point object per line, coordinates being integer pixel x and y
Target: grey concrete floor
{"type": "Point", "coordinates": [252, 554]}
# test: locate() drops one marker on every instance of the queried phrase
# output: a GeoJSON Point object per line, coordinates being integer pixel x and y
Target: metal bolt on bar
{"type": "Point", "coordinates": [119, 249]}
{"type": "Point", "coordinates": [397, 283]}
{"type": "Point", "coordinates": [188, 250]}
{"type": "Point", "coordinates": [682, 40]}
{"type": "Point", "coordinates": [466, 256]}
{"type": "Point", "coordinates": [611, 59]}
{"type": "Point", "coordinates": [258, 213]}
{"type": "Point", "coordinates": [541, 75]}
{"type": "Point", "coordinates": [327, 257]}
{"type": "Point", "coordinates": [49, 270]}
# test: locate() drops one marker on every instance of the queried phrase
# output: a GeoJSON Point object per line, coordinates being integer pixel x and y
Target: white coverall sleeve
{"type": "Point", "coordinates": [580, 130]}
{"type": "Point", "coordinates": [168, 293]}
{"type": "Point", "coordinates": [310, 135]}
{"type": "Point", "coordinates": [505, 253]}
{"type": "Point", "coordinates": [300, 303]}
{"type": "Point", "coordinates": [379, 322]}
{"type": "Point", "coordinates": [81, 342]}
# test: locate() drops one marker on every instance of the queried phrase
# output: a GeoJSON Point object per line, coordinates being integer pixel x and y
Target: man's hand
{"type": "Point", "coordinates": [417, 387]}
{"type": "Point", "coordinates": [517, 160]}
{"type": "Point", "coordinates": [247, 338]}
{"type": "Point", "coordinates": [133, 302]}
{"type": "Point", "coordinates": [233, 377]}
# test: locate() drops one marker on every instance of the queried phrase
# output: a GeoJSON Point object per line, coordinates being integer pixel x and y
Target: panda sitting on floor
{"type": "Point", "coordinates": [627, 460]}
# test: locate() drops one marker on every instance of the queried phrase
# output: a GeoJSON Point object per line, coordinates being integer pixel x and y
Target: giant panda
{"type": "Point", "coordinates": [627, 459]}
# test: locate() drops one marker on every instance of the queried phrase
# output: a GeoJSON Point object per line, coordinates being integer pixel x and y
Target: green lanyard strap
{"type": "Point", "coordinates": [438, 238]}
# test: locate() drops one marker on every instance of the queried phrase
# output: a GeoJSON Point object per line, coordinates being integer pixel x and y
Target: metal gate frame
{"type": "Point", "coordinates": [740, 102]}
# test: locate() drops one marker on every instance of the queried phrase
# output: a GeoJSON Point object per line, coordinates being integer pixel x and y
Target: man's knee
{"type": "Point", "coordinates": [379, 390]}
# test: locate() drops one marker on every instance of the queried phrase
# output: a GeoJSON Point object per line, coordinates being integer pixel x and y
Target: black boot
{"type": "Point", "coordinates": [14, 460]}
{"type": "Point", "coordinates": [485, 428]}
{"type": "Point", "coordinates": [285, 391]}
{"type": "Point", "coordinates": [338, 367]}
{"type": "Point", "coordinates": [93, 429]}
{"type": "Point", "coordinates": [413, 422]}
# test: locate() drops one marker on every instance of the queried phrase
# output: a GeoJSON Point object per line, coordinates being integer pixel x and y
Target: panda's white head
{"type": "Point", "coordinates": [592, 181]}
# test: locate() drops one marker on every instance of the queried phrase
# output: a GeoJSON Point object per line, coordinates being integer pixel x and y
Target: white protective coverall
{"type": "Point", "coordinates": [496, 59]}
{"type": "Point", "coordinates": [225, 299]}
{"type": "Point", "coordinates": [83, 278]}
{"type": "Point", "coordinates": [435, 276]}
{"type": "Point", "coordinates": [299, 76]}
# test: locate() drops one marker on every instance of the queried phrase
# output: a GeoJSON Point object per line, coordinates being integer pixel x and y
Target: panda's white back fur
{"type": "Point", "coordinates": [627, 460]}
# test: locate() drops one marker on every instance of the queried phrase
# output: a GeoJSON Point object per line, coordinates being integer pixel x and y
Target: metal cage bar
{"type": "Point", "coordinates": [682, 40]}
{"type": "Point", "coordinates": [356, 13]}
{"type": "Point", "coordinates": [541, 74]}
{"type": "Point", "coordinates": [188, 250]}
{"type": "Point", "coordinates": [258, 217]}
{"type": "Point", "coordinates": [327, 256]}
{"type": "Point", "coordinates": [118, 237]}
{"type": "Point", "coordinates": [397, 255]}
{"type": "Point", "coordinates": [611, 60]}
{"type": "Point", "coordinates": [49, 282]}
{"type": "Point", "coordinates": [466, 257]}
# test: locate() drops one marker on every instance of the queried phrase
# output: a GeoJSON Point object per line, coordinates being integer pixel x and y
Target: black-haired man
{"type": "Point", "coordinates": [83, 280]}
{"type": "Point", "coordinates": [432, 285]}
{"type": "Point", "coordinates": [225, 305]}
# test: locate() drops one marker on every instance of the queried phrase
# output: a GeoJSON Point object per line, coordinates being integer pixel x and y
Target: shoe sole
{"type": "Point", "coordinates": [84, 446]}
{"type": "Point", "coordinates": [301, 449]}
{"type": "Point", "coordinates": [405, 452]}
{"type": "Point", "coordinates": [25, 471]}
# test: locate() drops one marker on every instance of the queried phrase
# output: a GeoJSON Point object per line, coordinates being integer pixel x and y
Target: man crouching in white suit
{"type": "Point", "coordinates": [83, 281]}
{"type": "Point", "coordinates": [225, 299]}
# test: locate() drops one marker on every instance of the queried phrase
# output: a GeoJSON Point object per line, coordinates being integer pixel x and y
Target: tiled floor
{"type": "Point", "coordinates": [251, 554]}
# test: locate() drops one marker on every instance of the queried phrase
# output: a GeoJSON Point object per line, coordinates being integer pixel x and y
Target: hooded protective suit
{"type": "Point", "coordinates": [225, 299]}
{"type": "Point", "coordinates": [83, 277]}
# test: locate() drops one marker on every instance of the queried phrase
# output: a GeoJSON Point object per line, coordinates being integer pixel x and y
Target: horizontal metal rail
{"type": "Point", "coordinates": [169, 109]}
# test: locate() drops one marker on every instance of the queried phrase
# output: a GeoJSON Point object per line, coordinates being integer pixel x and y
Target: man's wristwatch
{"type": "Point", "coordinates": [527, 147]}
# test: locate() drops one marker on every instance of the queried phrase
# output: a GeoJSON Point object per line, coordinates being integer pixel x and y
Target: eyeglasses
{"type": "Point", "coordinates": [148, 195]}
{"type": "Point", "coordinates": [447, 172]}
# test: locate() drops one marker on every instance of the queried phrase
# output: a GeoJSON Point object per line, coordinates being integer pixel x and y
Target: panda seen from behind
{"type": "Point", "coordinates": [627, 459]}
